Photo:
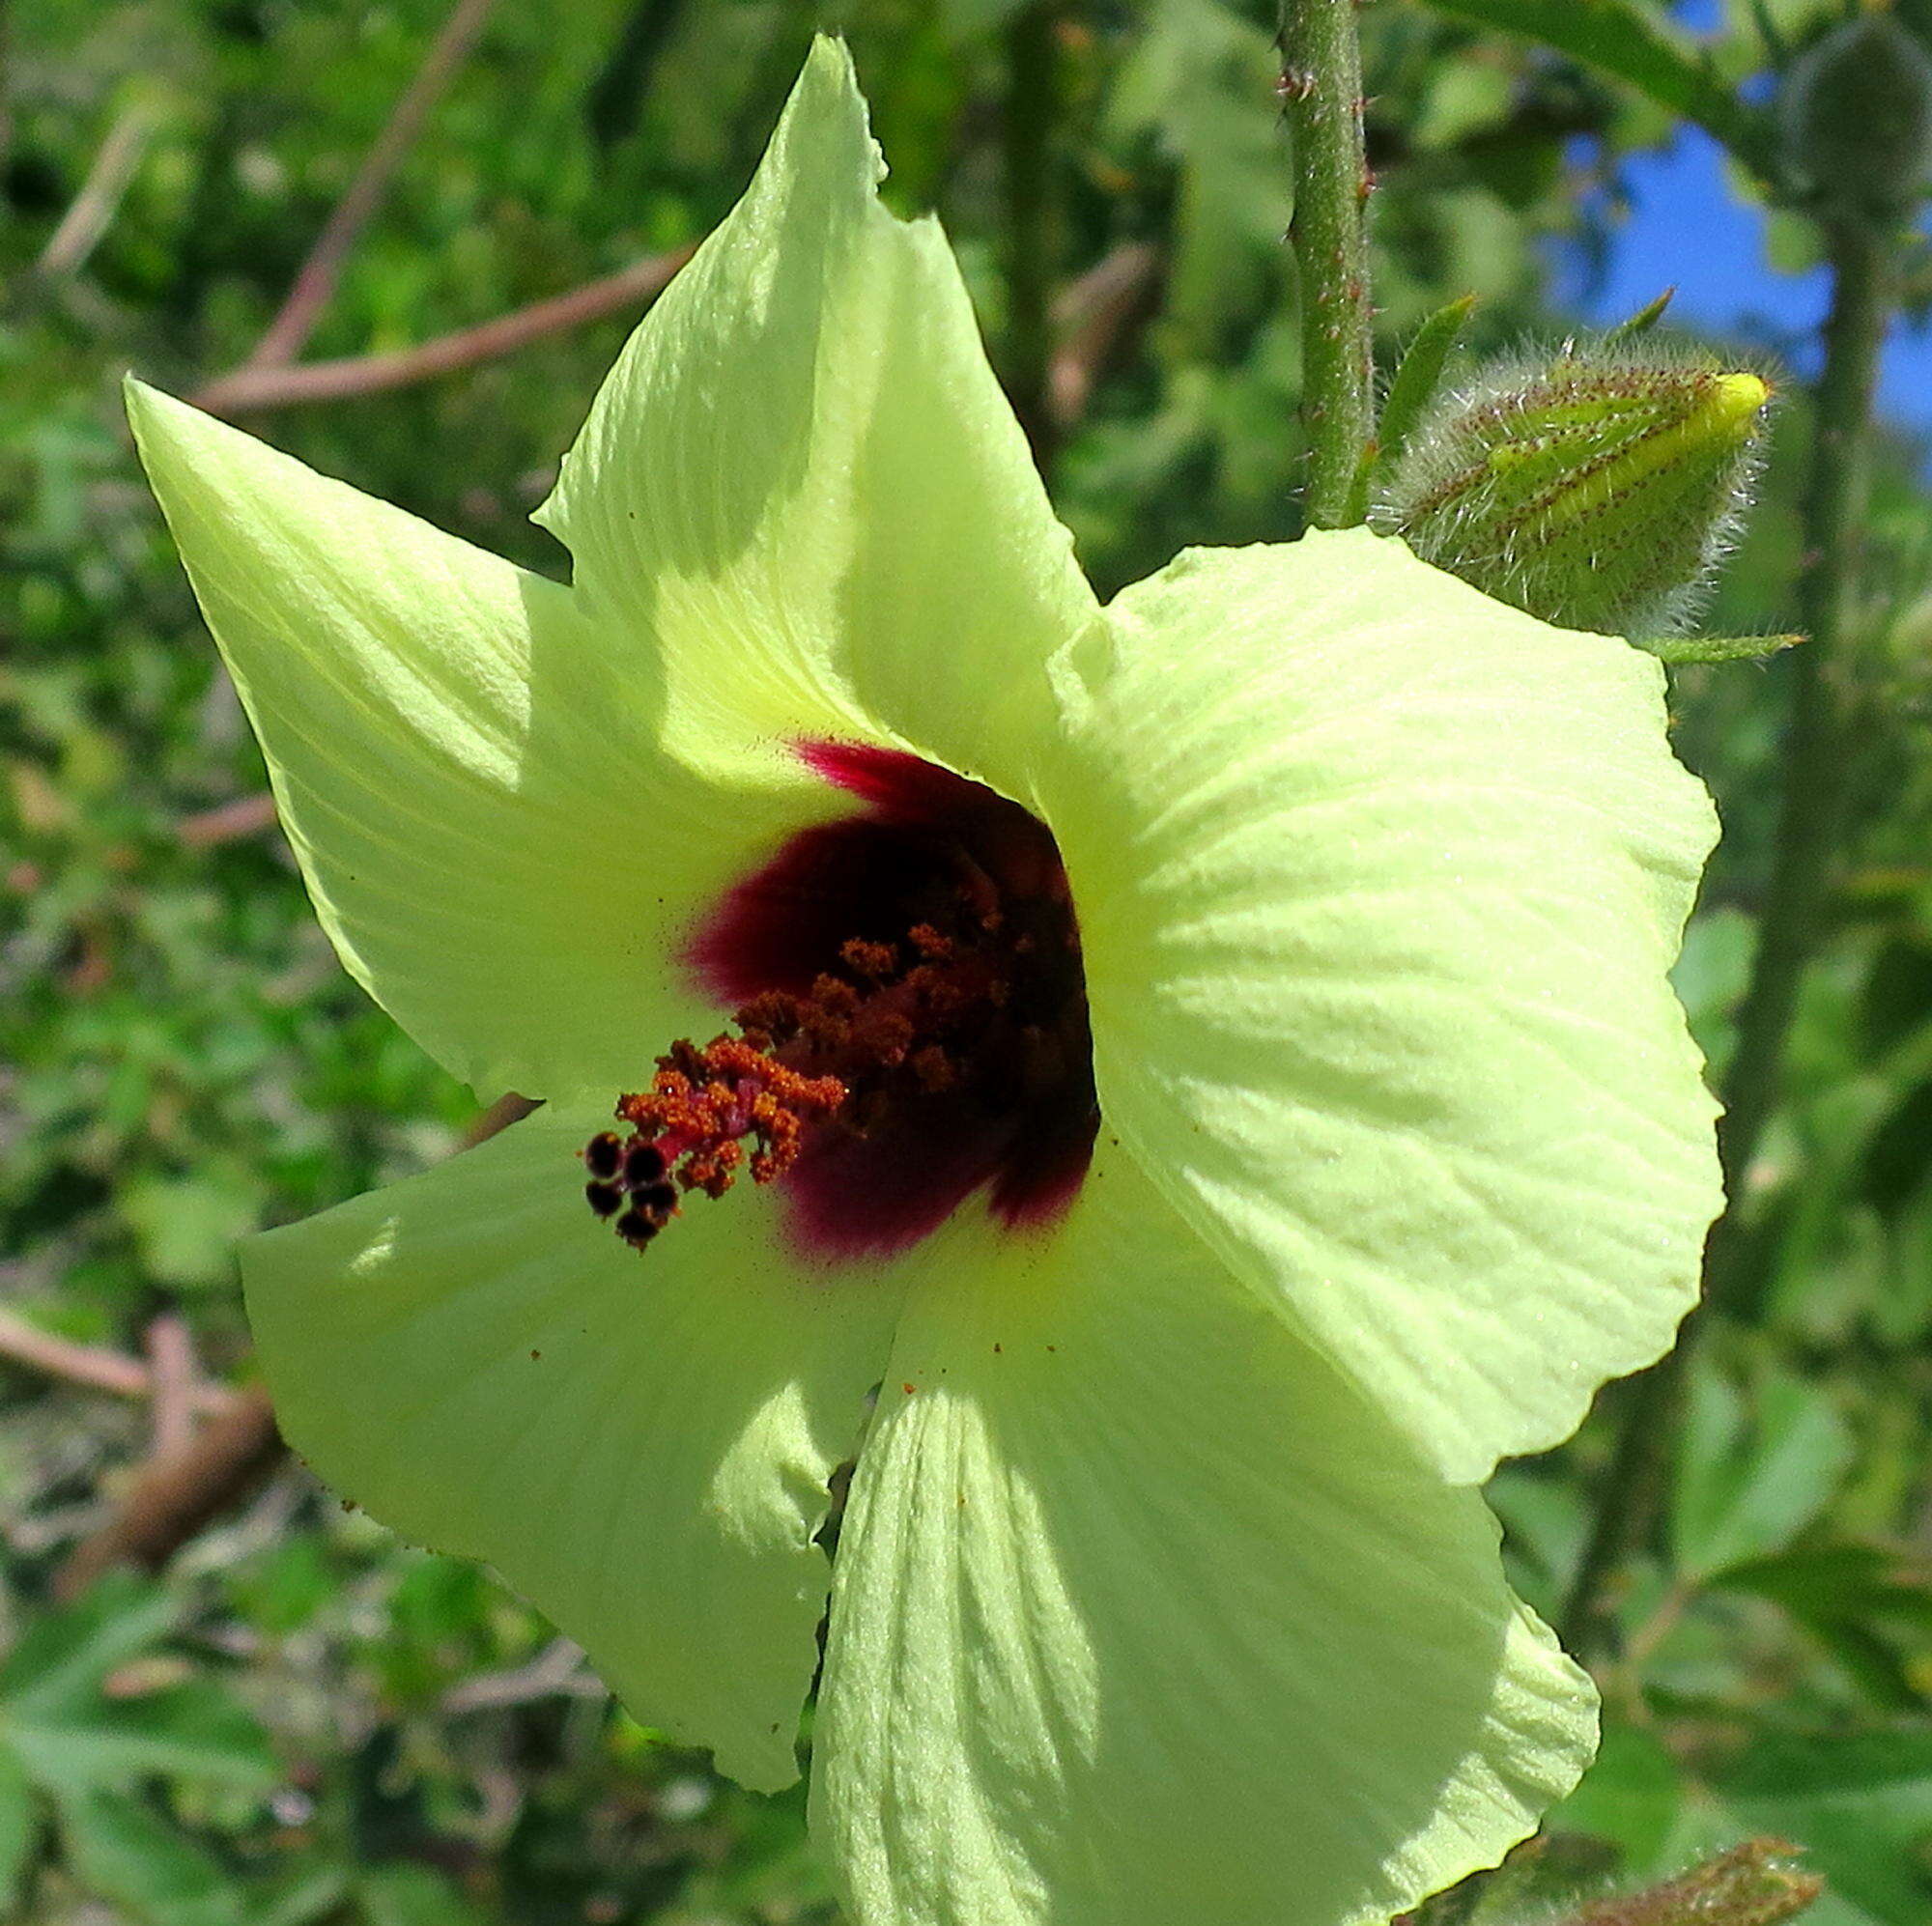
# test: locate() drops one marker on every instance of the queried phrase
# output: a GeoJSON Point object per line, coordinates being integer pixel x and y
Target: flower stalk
{"type": "Point", "coordinates": [1033, 90]}
{"type": "Point", "coordinates": [1811, 820]}
{"type": "Point", "coordinates": [1812, 823]}
{"type": "Point", "coordinates": [1322, 86]}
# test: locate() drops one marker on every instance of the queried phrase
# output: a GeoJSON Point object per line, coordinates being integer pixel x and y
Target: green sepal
{"type": "Point", "coordinates": [1644, 319]}
{"type": "Point", "coordinates": [1417, 377]}
{"type": "Point", "coordinates": [1679, 651]}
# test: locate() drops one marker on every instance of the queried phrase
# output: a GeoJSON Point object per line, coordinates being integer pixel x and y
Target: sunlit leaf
{"type": "Point", "coordinates": [1751, 1476]}
{"type": "Point", "coordinates": [1633, 45]}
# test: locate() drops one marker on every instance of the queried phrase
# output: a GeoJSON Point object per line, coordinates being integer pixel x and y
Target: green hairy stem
{"type": "Point", "coordinates": [1321, 80]}
{"type": "Point", "coordinates": [1811, 828]}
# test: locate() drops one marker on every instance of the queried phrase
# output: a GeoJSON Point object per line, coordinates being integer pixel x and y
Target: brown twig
{"type": "Point", "coordinates": [180, 1490]}
{"type": "Point", "coordinates": [556, 1671]}
{"type": "Point", "coordinates": [90, 1367]}
{"type": "Point", "coordinates": [288, 333]}
{"type": "Point", "coordinates": [115, 164]}
{"type": "Point", "coordinates": [228, 822]}
{"type": "Point", "coordinates": [508, 1109]}
{"type": "Point", "coordinates": [1094, 318]}
{"type": "Point", "coordinates": [171, 1378]}
{"type": "Point", "coordinates": [174, 1496]}
{"type": "Point", "coordinates": [253, 390]}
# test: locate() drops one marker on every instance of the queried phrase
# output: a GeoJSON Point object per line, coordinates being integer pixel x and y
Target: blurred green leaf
{"type": "Point", "coordinates": [412, 1895]}
{"type": "Point", "coordinates": [19, 1823]}
{"type": "Point", "coordinates": [194, 1730]}
{"type": "Point", "coordinates": [307, 1894]}
{"type": "Point", "coordinates": [1199, 85]}
{"type": "Point", "coordinates": [62, 1660]}
{"type": "Point", "coordinates": [1870, 1607]}
{"type": "Point", "coordinates": [1632, 1795]}
{"type": "Point", "coordinates": [125, 1853]}
{"type": "Point", "coordinates": [1632, 45]}
{"type": "Point", "coordinates": [1752, 1475]}
{"type": "Point", "coordinates": [1862, 1805]}
{"type": "Point", "coordinates": [188, 1227]}
{"type": "Point", "coordinates": [82, 1739]}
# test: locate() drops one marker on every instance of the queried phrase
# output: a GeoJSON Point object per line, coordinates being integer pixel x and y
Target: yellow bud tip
{"type": "Point", "coordinates": [1737, 397]}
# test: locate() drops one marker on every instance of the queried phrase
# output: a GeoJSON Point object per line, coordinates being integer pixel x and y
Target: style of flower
{"type": "Point", "coordinates": [1210, 1057]}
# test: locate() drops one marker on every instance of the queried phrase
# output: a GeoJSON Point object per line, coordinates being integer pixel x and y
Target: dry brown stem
{"type": "Point", "coordinates": [254, 390]}
{"type": "Point", "coordinates": [288, 333]}
{"type": "Point", "coordinates": [188, 1483]}
{"type": "Point", "coordinates": [174, 1496]}
{"type": "Point", "coordinates": [90, 1367]}
{"type": "Point", "coordinates": [172, 1376]}
{"type": "Point", "coordinates": [91, 211]}
{"type": "Point", "coordinates": [228, 822]}
{"type": "Point", "coordinates": [1096, 318]}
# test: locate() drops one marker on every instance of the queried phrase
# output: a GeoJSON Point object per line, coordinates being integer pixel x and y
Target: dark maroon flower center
{"type": "Point", "coordinates": [911, 1024]}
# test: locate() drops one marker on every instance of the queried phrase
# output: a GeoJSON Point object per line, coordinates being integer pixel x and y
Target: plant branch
{"type": "Point", "coordinates": [89, 1367]}
{"type": "Point", "coordinates": [558, 1670]}
{"type": "Point", "coordinates": [1812, 816]}
{"type": "Point", "coordinates": [288, 333]}
{"type": "Point", "coordinates": [1094, 319]}
{"type": "Point", "coordinates": [177, 1493]}
{"type": "Point", "coordinates": [91, 209]}
{"type": "Point", "coordinates": [253, 390]}
{"type": "Point", "coordinates": [185, 1484]}
{"type": "Point", "coordinates": [1322, 83]}
{"type": "Point", "coordinates": [1033, 90]}
{"type": "Point", "coordinates": [172, 1377]}
{"type": "Point", "coordinates": [1812, 822]}
{"type": "Point", "coordinates": [228, 822]}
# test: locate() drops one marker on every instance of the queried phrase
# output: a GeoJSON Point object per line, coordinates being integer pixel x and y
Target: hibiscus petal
{"type": "Point", "coordinates": [1378, 881]}
{"type": "Point", "coordinates": [639, 1444]}
{"type": "Point", "coordinates": [1142, 1614]}
{"type": "Point", "coordinates": [804, 480]}
{"type": "Point", "coordinates": [467, 768]}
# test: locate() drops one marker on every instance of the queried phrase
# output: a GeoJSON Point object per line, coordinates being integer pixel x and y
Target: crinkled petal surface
{"type": "Point", "coordinates": [800, 509]}
{"type": "Point", "coordinates": [1379, 882]}
{"type": "Point", "coordinates": [640, 1448]}
{"type": "Point", "coordinates": [802, 480]}
{"type": "Point", "coordinates": [1142, 1614]}
{"type": "Point", "coordinates": [1152, 1597]}
{"type": "Point", "coordinates": [467, 768]}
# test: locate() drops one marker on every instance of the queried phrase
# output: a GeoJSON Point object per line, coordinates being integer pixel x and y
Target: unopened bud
{"type": "Point", "coordinates": [1597, 490]}
{"type": "Point", "coordinates": [1757, 1884]}
{"type": "Point", "coordinates": [1856, 112]}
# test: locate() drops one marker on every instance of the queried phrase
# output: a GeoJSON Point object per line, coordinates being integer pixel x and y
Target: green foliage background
{"type": "Point", "coordinates": [300, 1721]}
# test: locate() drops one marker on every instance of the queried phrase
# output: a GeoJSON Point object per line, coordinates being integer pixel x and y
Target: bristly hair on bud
{"type": "Point", "coordinates": [1596, 488]}
{"type": "Point", "coordinates": [1757, 1883]}
{"type": "Point", "coordinates": [1760, 1882]}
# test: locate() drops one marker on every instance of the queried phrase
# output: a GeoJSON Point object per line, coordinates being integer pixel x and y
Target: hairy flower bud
{"type": "Point", "coordinates": [1598, 489]}
{"type": "Point", "coordinates": [1856, 112]}
{"type": "Point", "coordinates": [1759, 1883]}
